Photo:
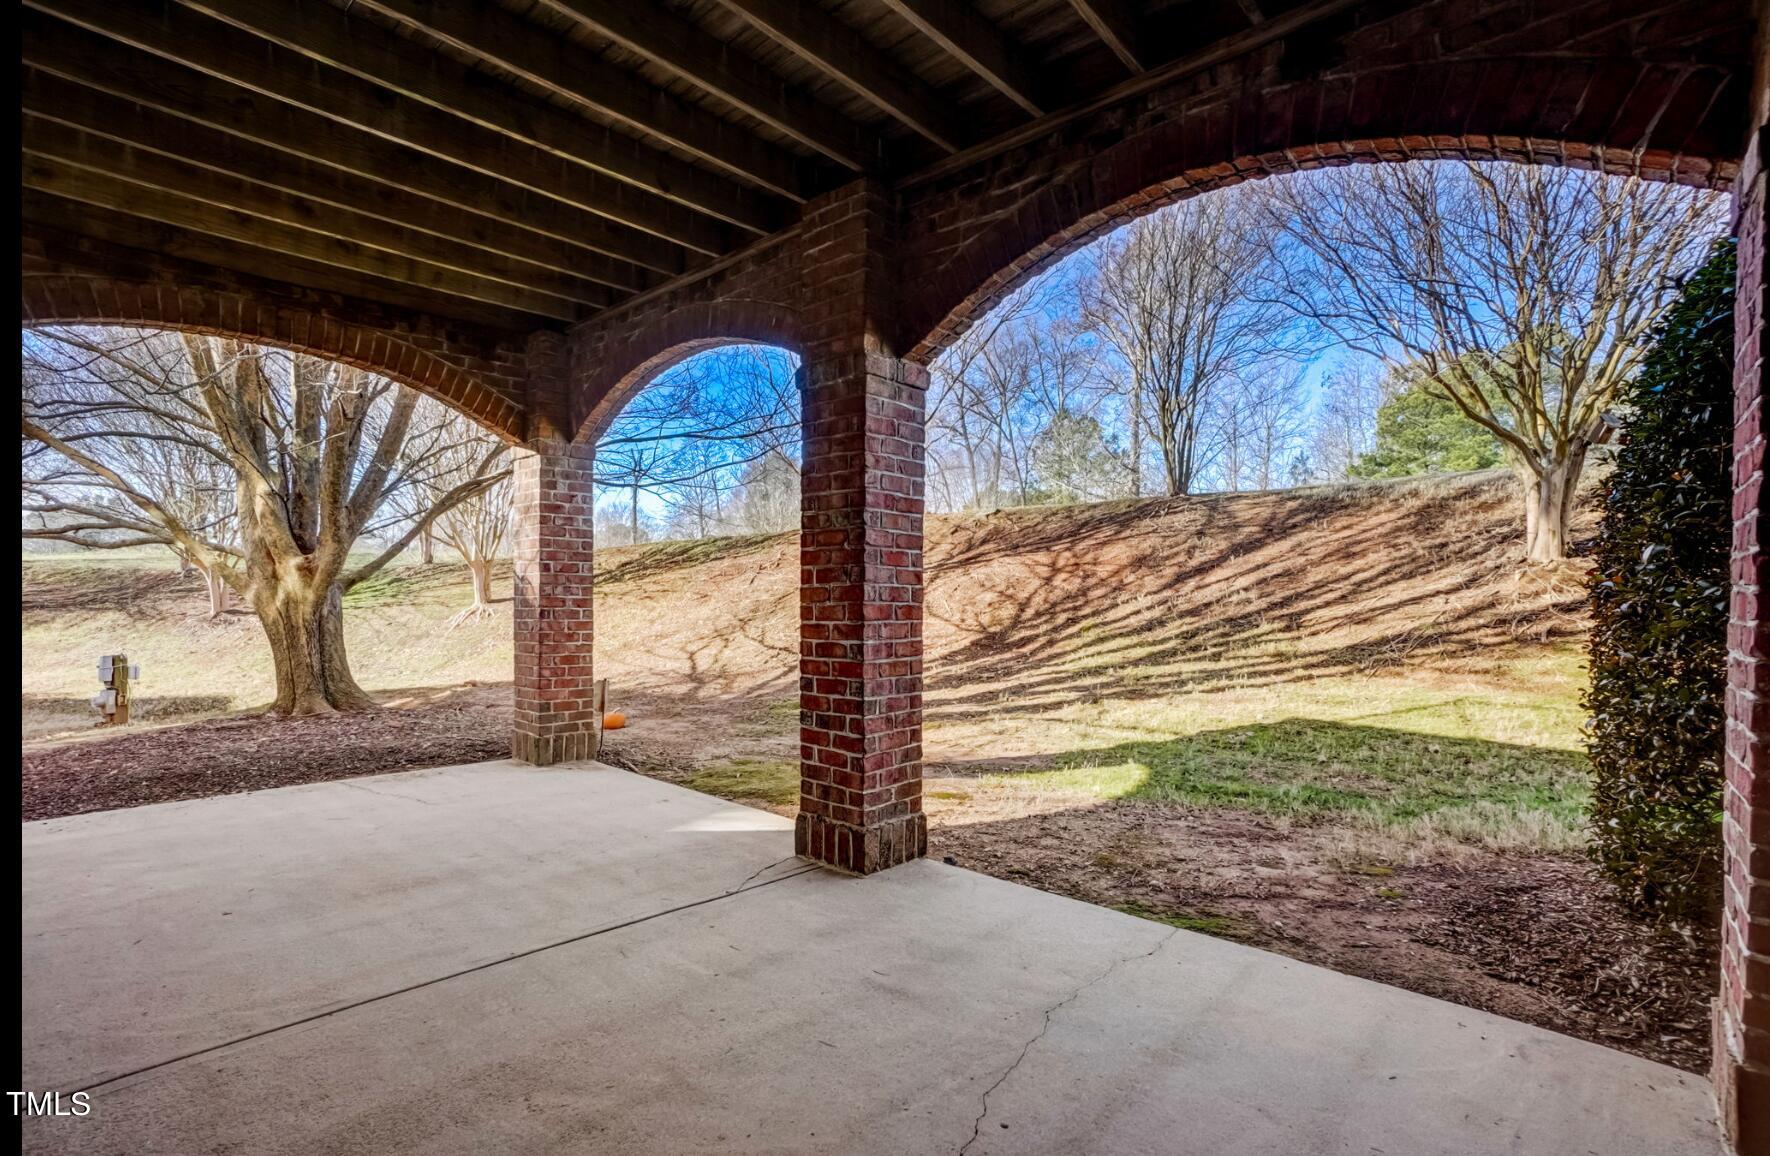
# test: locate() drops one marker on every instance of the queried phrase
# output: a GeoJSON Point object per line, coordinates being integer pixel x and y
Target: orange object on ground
{"type": "Point", "coordinates": [614, 720]}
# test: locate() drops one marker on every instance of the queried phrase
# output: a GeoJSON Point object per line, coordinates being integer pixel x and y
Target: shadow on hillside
{"type": "Point", "coordinates": [1146, 599]}
{"type": "Point", "coordinates": [1138, 599]}
{"type": "Point", "coordinates": [1305, 767]}
{"type": "Point", "coordinates": [631, 564]}
{"type": "Point", "coordinates": [397, 585]}
{"type": "Point", "coordinates": [49, 589]}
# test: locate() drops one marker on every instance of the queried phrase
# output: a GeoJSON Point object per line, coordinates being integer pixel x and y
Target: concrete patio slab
{"type": "Point", "coordinates": [927, 1009]}
{"type": "Point", "coordinates": [216, 918]}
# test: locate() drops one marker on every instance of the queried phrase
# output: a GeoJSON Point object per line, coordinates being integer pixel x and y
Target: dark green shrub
{"type": "Point", "coordinates": [1659, 606]}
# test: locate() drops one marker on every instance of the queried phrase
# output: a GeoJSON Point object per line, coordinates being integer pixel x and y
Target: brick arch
{"type": "Point", "coordinates": [752, 298]}
{"type": "Point", "coordinates": [624, 388]}
{"type": "Point", "coordinates": [968, 245]}
{"type": "Point", "coordinates": [430, 363]}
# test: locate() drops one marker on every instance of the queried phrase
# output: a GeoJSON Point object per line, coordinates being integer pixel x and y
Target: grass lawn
{"type": "Point", "coordinates": [1424, 761]}
{"type": "Point", "coordinates": [1493, 760]}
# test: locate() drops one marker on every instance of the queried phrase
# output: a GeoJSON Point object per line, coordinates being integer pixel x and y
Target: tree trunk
{"type": "Point", "coordinates": [1136, 440]}
{"type": "Point", "coordinates": [304, 623]}
{"type": "Point", "coordinates": [1548, 507]}
{"type": "Point", "coordinates": [426, 546]}
{"type": "Point", "coordinates": [480, 570]}
{"type": "Point", "coordinates": [217, 591]}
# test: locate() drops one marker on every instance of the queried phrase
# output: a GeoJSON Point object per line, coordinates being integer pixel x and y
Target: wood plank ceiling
{"type": "Point", "coordinates": [528, 163]}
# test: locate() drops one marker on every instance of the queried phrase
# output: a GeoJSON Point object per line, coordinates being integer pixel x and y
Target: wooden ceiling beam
{"type": "Point", "coordinates": [250, 61]}
{"type": "Point", "coordinates": [1117, 25]}
{"type": "Point", "coordinates": [88, 187]}
{"type": "Point", "coordinates": [710, 64]}
{"type": "Point", "coordinates": [379, 56]}
{"type": "Point", "coordinates": [811, 33]}
{"type": "Point", "coordinates": [89, 59]}
{"type": "Point", "coordinates": [105, 157]}
{"type": "Point", "coordinates": [964, 34]}
{"type": "Point", "coordinates": [499, 36]}
{"type": "Point", "coordinates": [52, 99]}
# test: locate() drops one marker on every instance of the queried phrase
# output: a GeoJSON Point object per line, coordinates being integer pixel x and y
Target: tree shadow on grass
{"type": "Point", "coordinates": [1314, 769]}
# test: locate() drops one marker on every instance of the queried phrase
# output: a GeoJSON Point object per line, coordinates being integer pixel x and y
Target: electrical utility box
{"type": "Point", "coordinates": [114, 675]}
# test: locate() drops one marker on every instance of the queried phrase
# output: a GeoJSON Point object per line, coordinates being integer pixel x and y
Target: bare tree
{"type": "Point", "coordinates": [1256, 426]}
{"type": "Point", "coordinates": [153, 446]}
{"type": "Point", "coordinates": [1346, 418]}
{"type": "Point", "coordinates": [767, 498]}
{"type": "Point", "coordinates": [477, 526]}
{"type": "Point", "coordinates": [1523, 291]}
{"type": "Point", "coordinates": [620, 524]}
{"type": "Point", "coordinates": [1176, 296]}
{"type": "Point", "coordinates": [699, 500]}
{"type": "Point", "coordinates": [314, 451]}
{"type": "Point", "coordinates": [1001, 386]}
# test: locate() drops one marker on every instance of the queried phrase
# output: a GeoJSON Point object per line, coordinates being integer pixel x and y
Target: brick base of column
{"type": "Point", "coordinates": [862, 850]}
{"type": "Point", "coordinates": [1741, 1070]}
{"type": "Point", "coordinates": [1742, 1095]}
{"type": "Point", "coordinates": [545, 750]}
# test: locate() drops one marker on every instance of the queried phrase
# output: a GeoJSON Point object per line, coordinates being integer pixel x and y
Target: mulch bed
{"type": "Point", "coordinates": [1613, 978]}
{"type": "Point", "coordinates": [251, 753]}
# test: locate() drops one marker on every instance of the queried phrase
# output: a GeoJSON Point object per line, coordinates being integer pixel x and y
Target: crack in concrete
{"type": "Point", "coordinates": [385, 794]}
{"type": "Point", "coordinates": [1045, 1026]}
{"type": "Point", "coordinates": [759, 871]}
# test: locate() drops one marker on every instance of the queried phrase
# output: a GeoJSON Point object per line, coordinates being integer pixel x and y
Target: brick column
{"type": "Point", "coordinates": [860, 613]}
{"type": "Point", "coordinates": [860, 601]}
{"type": "Point", "coordinates": [553, 511]}
{"type": "Point", "coordinates": [1742, 1012]}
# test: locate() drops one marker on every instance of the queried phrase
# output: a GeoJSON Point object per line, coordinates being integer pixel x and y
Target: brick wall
{"type": "Point", "coordinates": [751, 297]}
{"type": "Point", "coordinates": [860, 592]}
{"type": "Point", "coordinates": [1742, 1010]}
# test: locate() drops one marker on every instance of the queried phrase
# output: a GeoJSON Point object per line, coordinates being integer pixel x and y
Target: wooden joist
{"type": "Point", "coordinates": [90, 187]}
{"type": "Point", "coordinates": [86, 58]}
{"type": "Point", "coordinates": [101, 158]}
{"type": "Point", "coordinates": [708, 63]}
{"type": "Point", "coordinates": [382, 57]}
{"type": "Point", "coordinates": [846, 56]}
{"type": "Point", "coordinates": [501, 37]}
{"type": "Point", "coordinates": [131, 247]}
{"type": "Point", "coordinates": [963, 33]}
{"type": "Point", "coordinates": [241, 58]}
{"type": "Point", "coordinates": [54, 100]}
{"type": "Point", "coordinates": [1116, 23]}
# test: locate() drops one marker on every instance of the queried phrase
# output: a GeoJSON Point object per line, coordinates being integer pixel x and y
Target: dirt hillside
{"type": "Point", "coordinates": [1058, 605]}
